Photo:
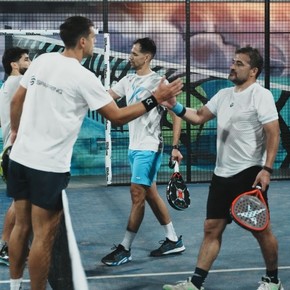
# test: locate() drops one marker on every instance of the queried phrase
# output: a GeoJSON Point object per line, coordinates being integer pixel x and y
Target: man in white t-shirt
{"type": "Point", "coordinates": [145, 154]}
{"type": "Point", "coordinates": [47, 112]}
{"type": "Point", "coordinates": [15, 62]}
{"type": "Point", "coordinates": [247, 142]}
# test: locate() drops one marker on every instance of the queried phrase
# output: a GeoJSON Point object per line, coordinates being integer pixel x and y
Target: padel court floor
{"type": "Point", "coordinates": [99, 214]}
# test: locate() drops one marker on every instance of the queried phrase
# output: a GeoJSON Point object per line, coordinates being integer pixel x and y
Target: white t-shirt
{"type": "Point", "coordinates": [145, 131]}
{"type": "Point", "coordinates": [240, 134]}
{"type": "Point", "coordinates": [59, 93]}
{"type": "Point", "coordinates": [7, 91]}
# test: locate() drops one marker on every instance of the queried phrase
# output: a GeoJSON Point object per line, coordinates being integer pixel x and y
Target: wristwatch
{"type": "Point", "coordinates": [268, 169]}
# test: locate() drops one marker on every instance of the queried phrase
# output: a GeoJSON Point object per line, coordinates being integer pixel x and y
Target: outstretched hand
{"type": "Point", "coordinates": [165, 91]}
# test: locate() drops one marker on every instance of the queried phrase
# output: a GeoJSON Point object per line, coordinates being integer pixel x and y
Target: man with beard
{"type": "Point", "coordinates": [145, 153]}
{"type": "Point", "coordinates": [15, 62]}
{"type": "Point", "coordinates": [247, 143]}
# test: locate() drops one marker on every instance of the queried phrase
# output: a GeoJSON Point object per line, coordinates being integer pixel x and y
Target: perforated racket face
{"type": "Point", "coordinates": [250, 212]}
{"type": "Point", "coordinates": [177, 193]}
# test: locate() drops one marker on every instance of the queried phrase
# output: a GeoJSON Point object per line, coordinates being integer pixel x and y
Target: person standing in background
{"type": "Point", "coordinates": [15, 61]}
{"type": "Point", "coordinates": [145, 155]}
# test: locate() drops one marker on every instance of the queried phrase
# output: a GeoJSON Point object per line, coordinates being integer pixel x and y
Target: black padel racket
{"type": "Point", "coordinates": [177, 193]}
{"type": "Point", "coordinates": [250, 210]}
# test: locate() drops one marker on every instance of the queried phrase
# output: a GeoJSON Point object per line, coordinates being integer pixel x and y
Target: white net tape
{"type": "Point", "coordinates": [79, 277]}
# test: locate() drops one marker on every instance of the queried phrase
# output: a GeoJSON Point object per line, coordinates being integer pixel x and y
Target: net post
{"type": "Point", "coordinates": [108, 138]}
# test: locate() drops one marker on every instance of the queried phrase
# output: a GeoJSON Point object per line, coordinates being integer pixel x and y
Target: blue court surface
{"type": "Point", "coordinates": [99, 214]}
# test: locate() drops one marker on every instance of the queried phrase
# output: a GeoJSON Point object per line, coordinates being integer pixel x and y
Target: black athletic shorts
{"type": "Point", "coordinates": [41, 188]}
{"type": "Point", "coordinates": [223, 190]}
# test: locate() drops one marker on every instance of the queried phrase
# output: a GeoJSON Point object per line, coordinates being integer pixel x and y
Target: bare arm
{"type": "Point", "coordinates": [120, 116]}
{"type": "Point", "coordinates": [176, 122]}
{"type": "Point", "coordinates": [113, 94]}
{"type": "Point", "coordinates": [16, 111]}
{"type": "Point", "coordinates": [272, 132]}
{"type": "Point", "coordinates": [199, 116]}
{"type": "Point", "coordinates": [192, 116]}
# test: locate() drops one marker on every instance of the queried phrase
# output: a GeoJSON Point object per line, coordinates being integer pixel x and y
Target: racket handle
{"type": "Point", "coordinates": [171, 163]}
{"type": "Point", "coordinates": [258, 187]}
{"type": "Point", "coordinates": [176, 166]}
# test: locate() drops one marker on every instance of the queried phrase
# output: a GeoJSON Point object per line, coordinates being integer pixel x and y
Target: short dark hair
{"type": "Point", "coordinates": [73, 29]}
{"type": "Point", "coordinates": [256, 60]}
{"type": "Point", "coordinates": [12, 54]}
{"type": "Point", "coordinates": [147, 45]}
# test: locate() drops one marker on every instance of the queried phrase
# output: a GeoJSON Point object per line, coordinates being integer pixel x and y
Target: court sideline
{"type": "Point", "coordinates": [99, 215]}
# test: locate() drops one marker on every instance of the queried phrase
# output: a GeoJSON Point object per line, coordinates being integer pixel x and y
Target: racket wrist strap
{"type": "Point", "coordinates": [150, 103]}
{"type": "Point", "coordinates": [268, 169]}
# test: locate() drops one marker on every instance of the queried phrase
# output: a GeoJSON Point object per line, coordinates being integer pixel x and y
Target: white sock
{"type": "Point", "coordinates": [15, 284]}
{"type": "Point", "coordinates": [170, 232]}
{"type": "Point", "coordinates": [128, 240]}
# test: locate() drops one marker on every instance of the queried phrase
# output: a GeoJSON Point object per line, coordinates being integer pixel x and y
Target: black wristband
{"type": "Point", "coordinates": [150, 103]}
{"type": "Point", "coordinates": [175, 147]}
{"type": "Point", "coordinates": [268, 169]}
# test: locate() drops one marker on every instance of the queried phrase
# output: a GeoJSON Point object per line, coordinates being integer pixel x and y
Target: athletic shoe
{"type": "Point", "coordinates": [266, 284]}
{"type": "Point", "coordinates": [168, 247]}
{"type": "Point", "coordinates": [185, 285]}
{"type": "Point", "coordinates": [4, 258]}
{"type": "Point", "coordinates": [118, 257]}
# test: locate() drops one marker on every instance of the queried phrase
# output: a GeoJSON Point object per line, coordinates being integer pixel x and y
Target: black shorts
{"type": "Point", "coordinates": [223, 191]}
{"type": "Point", "coordinates": [41, 188]}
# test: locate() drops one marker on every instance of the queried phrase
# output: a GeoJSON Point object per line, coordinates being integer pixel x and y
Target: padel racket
{"type": "Point", "coordinates": [250, 210]}
{"type": "Point", "coordinates": [177, 193]}
{"type": "Point", "coordinates": [4, 161]}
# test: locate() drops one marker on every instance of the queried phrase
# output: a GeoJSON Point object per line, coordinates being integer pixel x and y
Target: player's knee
{"type": "Point", "coordinates": [214, 227]}
{"type": "Point", "coordinates": [22, 230]}
{"type": "Point", "coordinates": [138, 201]}
{"type": "Point", "coordinates": [138, 195]}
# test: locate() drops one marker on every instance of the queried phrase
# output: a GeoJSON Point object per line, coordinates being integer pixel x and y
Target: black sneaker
{"type": "Point", "coordinates": [4, 258]}
{"type": "Point", "coordinates": [118, 257]}
{"type": "Point", "coordinates": [168, 247]}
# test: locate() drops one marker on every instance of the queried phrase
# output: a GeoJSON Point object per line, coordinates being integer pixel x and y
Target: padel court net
{"type": "Point", "coordinates": [66, 270]}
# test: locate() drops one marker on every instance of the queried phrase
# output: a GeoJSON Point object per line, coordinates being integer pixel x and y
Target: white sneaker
{"type": "Point", "coordinates": [266, 284]}
{"type": "Point", "coordinates": [185, 285]}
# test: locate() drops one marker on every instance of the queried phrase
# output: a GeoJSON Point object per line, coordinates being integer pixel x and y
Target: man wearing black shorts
{"type": "Point", "coordinates": [15, 62]}
{"type": "Point", "coordinates": [247, 143]}
{"type": "Point", "coordinates": [218, 202]}
{"type": "Point", "coordinates": [47, 112]}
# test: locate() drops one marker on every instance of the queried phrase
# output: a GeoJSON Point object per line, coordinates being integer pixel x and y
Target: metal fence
{"type": "Point", "coordinates": [195, 40]}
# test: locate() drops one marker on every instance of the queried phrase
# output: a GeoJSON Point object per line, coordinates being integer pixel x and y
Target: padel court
{"type": "Point", "coordinates": [99, 216]}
